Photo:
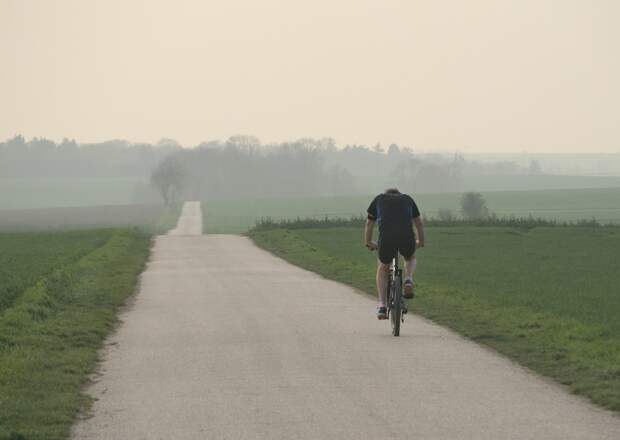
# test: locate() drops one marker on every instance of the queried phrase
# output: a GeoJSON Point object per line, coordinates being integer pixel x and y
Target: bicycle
{"type": "Point", "coordinates": [396, 304]}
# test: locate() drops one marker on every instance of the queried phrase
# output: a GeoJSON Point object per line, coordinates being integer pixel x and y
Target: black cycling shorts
{"type": "Point", "coordinates": [389, 245]}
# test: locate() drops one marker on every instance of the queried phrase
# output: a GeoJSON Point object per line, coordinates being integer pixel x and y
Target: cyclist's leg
{"type": "Point", "coordinates": [383, 275]}
{"type": "Point", "coordinates": [407, 249]}
{"type": "Point", "coordinates": [386, 252]}
{"type": "Point", "coordinates": [410, 266]}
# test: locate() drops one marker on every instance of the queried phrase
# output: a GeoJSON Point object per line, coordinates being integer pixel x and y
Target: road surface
{"type": "Point", "coordinates": [225, 341]}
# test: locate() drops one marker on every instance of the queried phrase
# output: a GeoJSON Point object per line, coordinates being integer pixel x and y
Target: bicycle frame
{"type": "Point", "coordinates": [395, 274]}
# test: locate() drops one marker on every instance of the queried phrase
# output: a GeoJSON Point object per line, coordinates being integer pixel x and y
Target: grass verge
{"type": "Point", "coordinates": [50, 336]}
{"type": "Point", "coordinates": [166, 221]}
{"type": "Point", "coordinates": [547, 298]}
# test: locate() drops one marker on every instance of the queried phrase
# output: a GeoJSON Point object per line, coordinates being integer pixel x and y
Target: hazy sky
{"type": "Point", "coordinates": [536, 75]}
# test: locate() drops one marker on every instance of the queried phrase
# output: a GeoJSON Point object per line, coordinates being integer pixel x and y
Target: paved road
{"type": "Point", "coordinates": [190, 220]}
{"type": "Point", "coordinates": [225, 341]}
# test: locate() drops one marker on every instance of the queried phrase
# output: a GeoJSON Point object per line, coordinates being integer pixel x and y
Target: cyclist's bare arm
{"type": "Point", "coordinates": [368, 230]}
{"type": "Point", "coordinates": [419, 226]}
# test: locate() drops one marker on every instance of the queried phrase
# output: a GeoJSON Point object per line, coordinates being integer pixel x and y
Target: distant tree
{"type": "Point", "coordinates": [43, 158]}
{"type": "Point", "coordinates": [167, 142]}
{"type": "Point", "coordinates": [210, 144]}
{"type": "Point", "coordinates": [473, 206]}
{"type": "Point", "coordinates": [243, 142]}
{"type": "Point", "coordinates": [42, 145]}
{"type": "Point", "coordinates": [356, 148]}
{"type": "Point", "coordinates": [68, 145]}
{"type": "Point", "coordinates": [393, 150]}
{"type": "Point", "coordinates": [378, 148]}
{"type": "Point", "coordinates": [407, 150]}
{"type": "Point", "coordinates": [535, 168]}
{"type": "Point", "coordinates": [169, 179]}
{"type": "Point", "coordinates": [17, 142]}
{"type": "Point", "coordinates": [327, 144]}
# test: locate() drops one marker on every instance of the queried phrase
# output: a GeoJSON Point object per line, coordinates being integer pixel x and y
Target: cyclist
{"type": "Point", "coordinates": [396, 214]}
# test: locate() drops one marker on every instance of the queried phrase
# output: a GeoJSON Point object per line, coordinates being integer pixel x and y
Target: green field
{"type": "Point", "coordinates": [548, 297]}
{"type": "Point", "coordinates": [25, 258]}
{"type": "Point", "coordinates": [63, 292]}
{"type": "Point", "coordinates": [233, 216]}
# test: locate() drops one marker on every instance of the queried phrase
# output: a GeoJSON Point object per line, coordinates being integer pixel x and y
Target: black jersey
{"type": "Point", "coordinates": [393, 213]}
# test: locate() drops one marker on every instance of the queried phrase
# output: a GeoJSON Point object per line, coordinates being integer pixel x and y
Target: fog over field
{"type": "Point", "coordinates": [47, 185]}
{"type": "Point", "coordinates": [39, 173]}
{"type": "Point", "coordinates": [149, 103]}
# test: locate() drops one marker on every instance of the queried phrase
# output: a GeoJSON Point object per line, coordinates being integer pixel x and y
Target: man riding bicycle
{"type": "Point", "coordinates": [395, 213]}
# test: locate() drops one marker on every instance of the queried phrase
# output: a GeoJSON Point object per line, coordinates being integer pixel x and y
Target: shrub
{"type": "Point", "coordinates": [473, 206]}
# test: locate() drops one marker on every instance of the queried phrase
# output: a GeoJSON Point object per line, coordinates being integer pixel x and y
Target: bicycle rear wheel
{"type": "Point", "coordinates": [396, 312]}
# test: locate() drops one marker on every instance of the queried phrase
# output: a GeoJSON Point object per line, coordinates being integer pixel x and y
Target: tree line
{"type": "Point", "coordinates": [242, 167]}
{"type": "Point", "coordinates": [42, 157]}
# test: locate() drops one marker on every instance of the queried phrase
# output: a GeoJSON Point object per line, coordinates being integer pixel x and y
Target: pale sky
{"type": "Point", "coordinates": [467, 75]}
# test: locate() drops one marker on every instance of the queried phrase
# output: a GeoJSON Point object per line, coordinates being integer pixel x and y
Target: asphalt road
{"type": "Point", "coordinates": [225, 341]}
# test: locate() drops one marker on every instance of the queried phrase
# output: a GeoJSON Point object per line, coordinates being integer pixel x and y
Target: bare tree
{"type": "Point", "coordinates": [169, 179]}
{"type": "Point", "coordinates": [244, 143]}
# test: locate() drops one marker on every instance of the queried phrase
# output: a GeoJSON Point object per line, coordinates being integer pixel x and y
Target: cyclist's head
{"type": "Point", "coordinates": [392, 191]}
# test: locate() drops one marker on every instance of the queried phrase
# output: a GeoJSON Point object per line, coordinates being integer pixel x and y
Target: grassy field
{"type": "Point", "coordinates": [547, 297]}
{"type": "Point", "coordinates": [62, 305]}
{"type": "Point", "coordinates": [25, 258]}
{"type": "Point", "coordinates": [152, 218]}
{"type": "Point", "coordinates": [233, 216]}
